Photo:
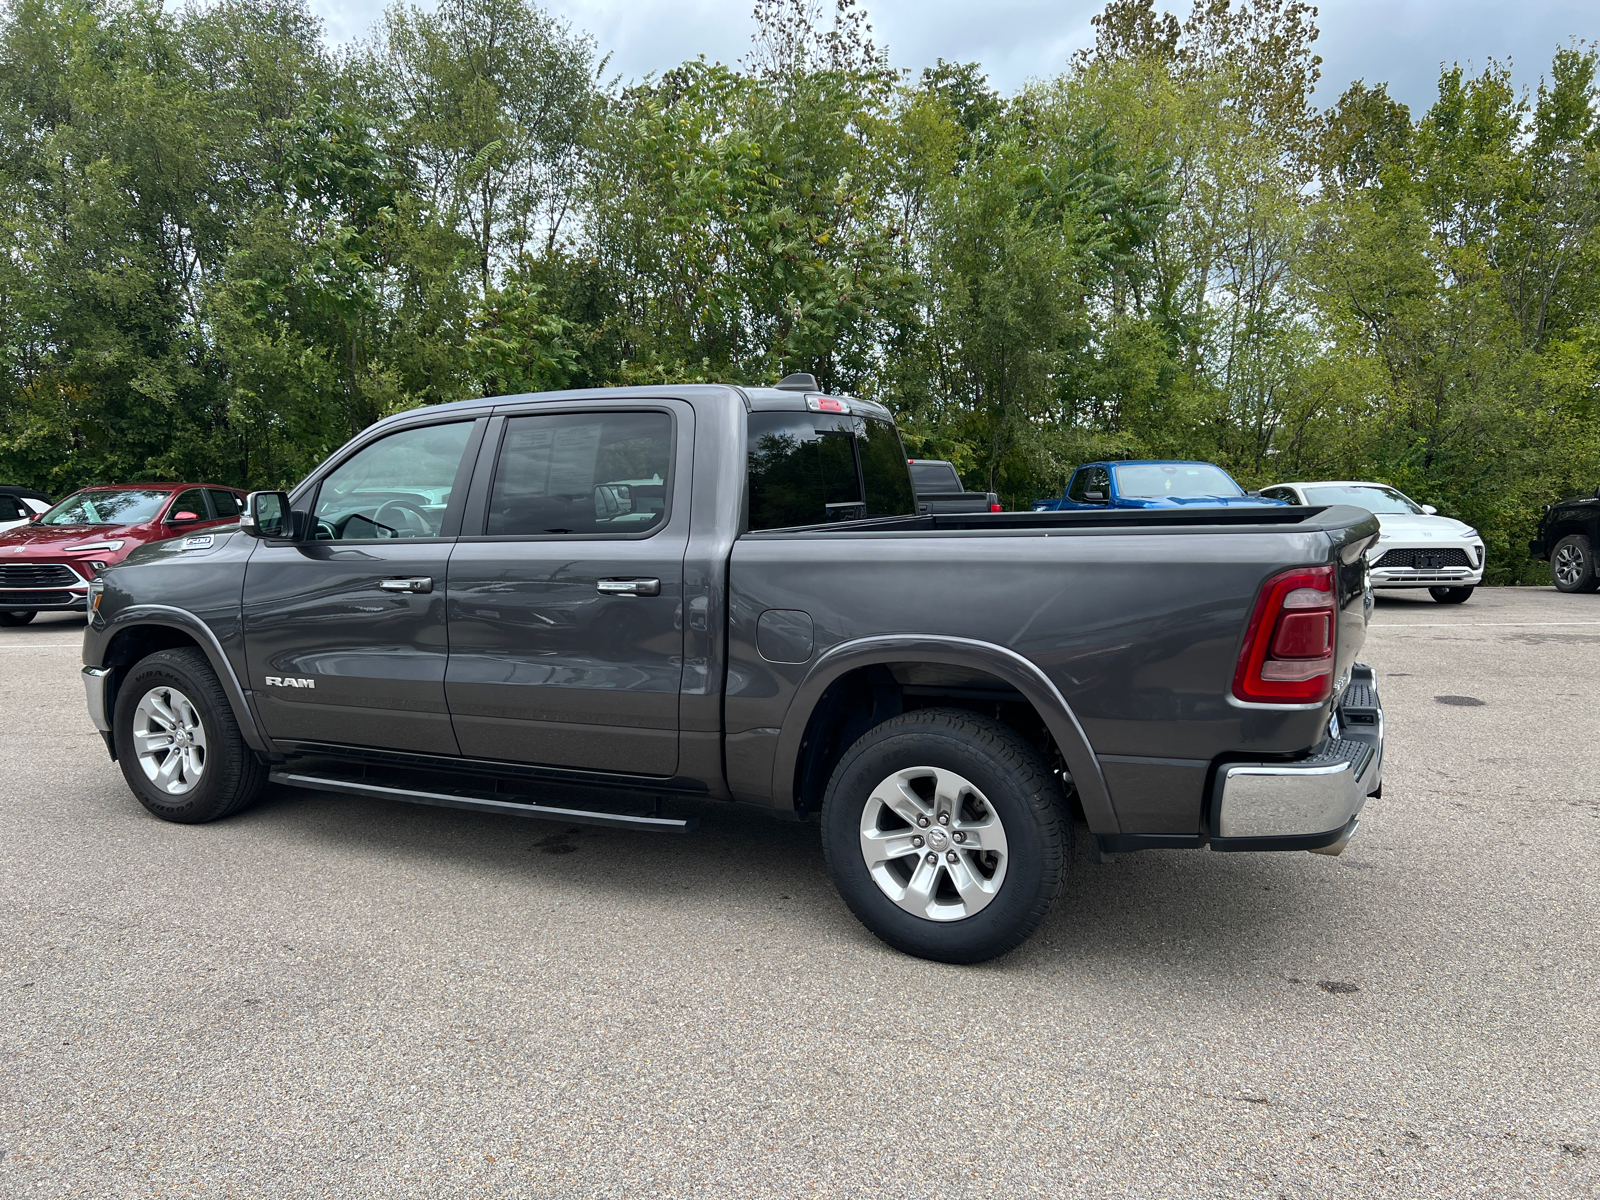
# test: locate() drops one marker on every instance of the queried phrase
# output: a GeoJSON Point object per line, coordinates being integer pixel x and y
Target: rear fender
{"type": "Point", "coordinates": [1004, 664]}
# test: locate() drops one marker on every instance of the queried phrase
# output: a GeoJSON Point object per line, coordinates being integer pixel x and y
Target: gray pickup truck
{"type": "Point", "coordinates": [940, 491]}
{"type": "Point", "coordinates": [594, 606]}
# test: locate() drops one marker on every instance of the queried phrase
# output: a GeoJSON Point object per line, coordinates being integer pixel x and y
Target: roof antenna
{"type": "Point", "coordinates": [800, 382]}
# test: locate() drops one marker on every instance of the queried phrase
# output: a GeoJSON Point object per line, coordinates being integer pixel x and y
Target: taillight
{"type": "Point", "coordinates": [1287, 656]}
{"type": "Point", "coordinates": [995, 508]}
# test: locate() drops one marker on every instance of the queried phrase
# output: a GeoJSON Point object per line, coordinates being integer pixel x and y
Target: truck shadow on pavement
{"type": "Point", "coordinates": [1173, 907]}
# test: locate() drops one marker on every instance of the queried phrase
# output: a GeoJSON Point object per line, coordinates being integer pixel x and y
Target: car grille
{"type": "Point", "coordinates": [1425, 560]}
{"type": "Point", "coordinates": [21, 600]}
{"type": "Point", "coordinates": [36, 575]}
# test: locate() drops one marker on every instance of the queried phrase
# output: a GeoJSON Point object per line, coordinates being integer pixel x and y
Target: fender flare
{"type": "Point", "coordinates": [186, 622]}
{"type": "Point", "coordinates": [999, 661]}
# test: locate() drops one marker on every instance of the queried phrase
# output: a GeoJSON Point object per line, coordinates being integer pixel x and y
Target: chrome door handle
{"type": "Point", "coordinates": [414, 586]}
{"type": "Point", "coordinates": [629, 587]}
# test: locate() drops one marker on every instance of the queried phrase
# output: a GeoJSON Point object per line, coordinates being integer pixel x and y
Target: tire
{"type": "Point", "coordinates": [1572, 565]}
{"type": "Point", "coordinates": [10, 620]}
{"type": "Point", "coordinates": [1451, 595]}
{"type": "Point", "coordinates": [996, 779]}
{"type": "Point", "coordinates": [222, 778]}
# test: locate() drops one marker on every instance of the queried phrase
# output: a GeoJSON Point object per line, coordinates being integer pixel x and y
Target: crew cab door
{"type": "Point", "coordinates": [345, 631]}
{"type": "Point", "coordinates": [566, 589]}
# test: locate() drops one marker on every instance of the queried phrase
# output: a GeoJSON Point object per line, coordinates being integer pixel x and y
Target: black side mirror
{"type": "Point", "coordinates": [1095, 496]}
{"type": "Point", "coordinates": [267, 515]}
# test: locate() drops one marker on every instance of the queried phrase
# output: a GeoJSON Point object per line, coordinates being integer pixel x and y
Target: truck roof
{"type": "Point", "coordinates": [754, 399]}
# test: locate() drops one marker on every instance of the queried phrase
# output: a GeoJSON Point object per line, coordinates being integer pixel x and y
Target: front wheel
{"type": "Point", "coordinates": [1572, 565]}
{"type": "Point", "coordinates": [1450, 595]}
{"type": "Point", "coordinates": [178, 743]}
{"type": "Point", "coordinates": [946, 834]}
{"type": "Point", "coordinates": [10, 620]}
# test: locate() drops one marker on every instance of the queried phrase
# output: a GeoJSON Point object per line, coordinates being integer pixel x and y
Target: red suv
{"type": "Point", "coordinates": [46, 565]}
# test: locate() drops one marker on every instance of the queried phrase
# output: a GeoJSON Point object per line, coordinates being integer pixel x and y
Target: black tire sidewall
{"type": "Point", "coordinates": [211, 798]}
{"type": "Point", "coordinates": [1031, 846]}
{"type": "Point", "coordinates": [1452, 595]}
{"type": "Point", "coordinates": [1586, 581]}
{"type": "Point", "coordinates": [13, 618]}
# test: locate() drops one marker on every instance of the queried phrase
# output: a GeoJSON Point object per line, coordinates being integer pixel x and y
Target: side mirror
{"type": "Point", "coordinates": [1098, 497]}
{"type": "Point", "coordinates": [180, 518]}
{"type": "Point", "coordinates": [1430, 510]}
{"type": "Point", "coordinates": [266, 515]}
{"type": "Point", "coordinates": [33, 518]}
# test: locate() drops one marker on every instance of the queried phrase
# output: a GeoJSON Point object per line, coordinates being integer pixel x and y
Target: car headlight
{"type": "Point", "coordinates": [111, 546]}
{"type": "Point", "coordinates": [1469, 532]}
{"type": "Point", "coordinates": [97, 589]}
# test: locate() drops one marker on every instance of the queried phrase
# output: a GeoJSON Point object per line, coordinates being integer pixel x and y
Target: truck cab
{"type": "Point", "coordinates": [1152, 483]}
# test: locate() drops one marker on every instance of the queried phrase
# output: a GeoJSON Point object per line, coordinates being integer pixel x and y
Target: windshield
{"type": "Point", "coordinates": [131, 507]}
{"type": "Point", "coordinates": [1370, 496]}
{"type": "Point", "coordinates": [1151, 481]}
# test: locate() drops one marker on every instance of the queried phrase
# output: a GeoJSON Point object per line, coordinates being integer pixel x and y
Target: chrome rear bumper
{"type": "Point", "coordinates": [1313, 803]}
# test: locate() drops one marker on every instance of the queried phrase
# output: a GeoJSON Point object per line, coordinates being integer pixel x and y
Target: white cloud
{"type": "Point", "coordinates": [1402, 42]}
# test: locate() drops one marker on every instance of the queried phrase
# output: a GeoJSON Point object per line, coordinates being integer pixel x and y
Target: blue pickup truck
{"type": "Point", "coordinates": [1152, 483]}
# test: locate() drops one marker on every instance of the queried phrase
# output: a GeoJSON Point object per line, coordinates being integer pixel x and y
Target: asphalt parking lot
{"type": "Point", "coordinates": [328, 996]}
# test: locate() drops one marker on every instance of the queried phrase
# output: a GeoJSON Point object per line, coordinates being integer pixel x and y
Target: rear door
{"type": "Point", "coordinates": [566, 589]}
{"type": "Point", "coordinates": [345, 632]}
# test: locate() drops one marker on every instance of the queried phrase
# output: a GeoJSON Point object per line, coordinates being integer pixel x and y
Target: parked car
{"type": "Point", "coordinates": [554, 633]}
{"type": "Point", "coordinates": [939, 490]}
{"type": "Point", "coordinates": [47, 562]}
{"type": "Point", "coordinates": [1152, 483]}
{"type": "Point", "coordinates": [1417, 547]}
{"type": "Point", "coordinates": [19, 505]}
{"type": "Point", "coordinates": [1568, 538]}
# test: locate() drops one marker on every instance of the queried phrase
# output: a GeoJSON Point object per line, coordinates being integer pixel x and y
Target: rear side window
{"type": "Point", "coordinates": [932, 478]}
{"type": "Point", "coordinates": [812, 468]}
{"type": "Point", "coordinates": [11, 509]}
{"type": "Point", "coordinates": [189, 506]}
{"type": "Point", "coordinates": [582, 475]}
{"type": "Point", "coordinates": [226, 503]}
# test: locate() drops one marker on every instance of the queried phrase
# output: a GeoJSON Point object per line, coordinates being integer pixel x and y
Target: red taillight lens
{"type": "Point", "coordinates": [829, 404]}
{"type": "Point", "coordinates": [995, 508]}
{"type": "Point", "coordinates": [1287, 655]}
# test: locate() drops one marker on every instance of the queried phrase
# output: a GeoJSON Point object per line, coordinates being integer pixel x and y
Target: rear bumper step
{"type": "Point", "coordinates": [1313, 803]}
{"type": "Point", "coordinates": [484, 802]}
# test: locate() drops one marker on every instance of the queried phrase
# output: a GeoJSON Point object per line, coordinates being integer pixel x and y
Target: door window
{"type": "Point", "coordinates": [11, 509]}
{"type": "Point", "coordinates": [189, 506]}
{"type": "Point", "coordinates": [397, 487]}
{"type": "Point", "coordinates": [1080, 485]}
{"type": "Point", "coordinates": [226, 503]}
{"type": "Point", "coordinates": [582, 475]}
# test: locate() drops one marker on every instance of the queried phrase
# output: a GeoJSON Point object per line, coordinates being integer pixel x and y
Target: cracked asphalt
{"type": "Point", "coordinates": [326, 996]}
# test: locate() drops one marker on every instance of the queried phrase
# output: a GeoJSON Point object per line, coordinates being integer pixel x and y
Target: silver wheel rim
{"type": "Point", "coordinates": [170, 740]}
{"type": "Point", "coordinates": [934, 844]}
{"type": "Point", "coordinates": [1569, 565]}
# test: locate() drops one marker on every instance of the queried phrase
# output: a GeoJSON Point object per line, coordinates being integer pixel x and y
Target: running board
{"type": "Point", "coordinates": [481, 803]}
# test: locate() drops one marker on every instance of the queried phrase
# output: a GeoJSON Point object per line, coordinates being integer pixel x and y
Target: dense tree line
{"type": "Point", "coordinates": [231, 246]}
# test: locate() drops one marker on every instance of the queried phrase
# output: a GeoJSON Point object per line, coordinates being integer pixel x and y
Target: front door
{"type": "Point", "coordinates": [566, 599]}
{"type": "Point", "coordinates": [345, 631]}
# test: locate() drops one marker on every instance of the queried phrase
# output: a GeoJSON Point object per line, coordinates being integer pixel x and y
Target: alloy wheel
{"type": "Point", "coordinates": [1568, 566]}
{"type": "Point", "coordinates": [933, 844]}
{"type": "Point", "coordinates": [170, 740]}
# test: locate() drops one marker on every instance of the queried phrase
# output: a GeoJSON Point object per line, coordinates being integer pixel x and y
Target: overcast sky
{"type": "Point", "coordinates": [1402, 42]}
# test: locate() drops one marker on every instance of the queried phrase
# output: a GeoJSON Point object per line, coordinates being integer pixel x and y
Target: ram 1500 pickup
{"type": "Point", "coordinates": [599, 606]}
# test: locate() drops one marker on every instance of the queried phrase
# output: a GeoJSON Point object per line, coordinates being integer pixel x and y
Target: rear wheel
{"type": "Point", "coordinates": [1450, 595]}
{"type": "Point", "coordinates": [1572, 565]}
{"type": "Point", "coordinates": [9, 620]}
{"type": "Point", "coordinates": [178, 743]}
{"type": "Point", "coordinates": [946, 834]}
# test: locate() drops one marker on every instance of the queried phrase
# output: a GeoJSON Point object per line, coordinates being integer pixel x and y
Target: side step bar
{"type": "Point", "coordinates": [481, 803]}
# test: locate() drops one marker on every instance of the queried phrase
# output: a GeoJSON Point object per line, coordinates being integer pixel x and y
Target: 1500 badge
{"type": "Point", "coordinates": [289, 681]}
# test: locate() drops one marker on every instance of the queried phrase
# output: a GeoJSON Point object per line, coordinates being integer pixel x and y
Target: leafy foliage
{"type": "Point", "coordinates": [229, 247]}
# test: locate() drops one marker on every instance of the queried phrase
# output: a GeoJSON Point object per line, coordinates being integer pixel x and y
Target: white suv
{"type": "Point", "coordinates": [1416, 548]}
{"type": "Point", "coordinates": [19, 505]}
